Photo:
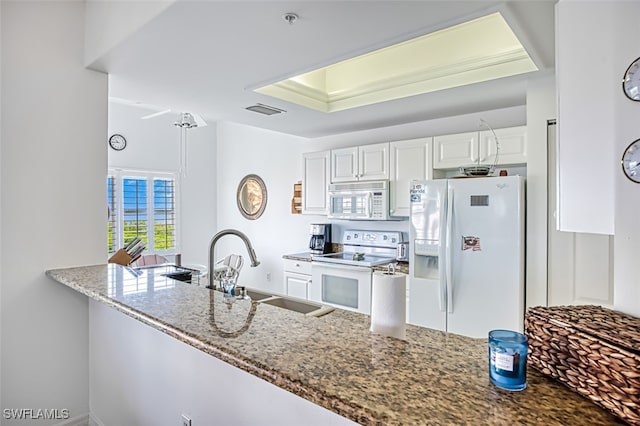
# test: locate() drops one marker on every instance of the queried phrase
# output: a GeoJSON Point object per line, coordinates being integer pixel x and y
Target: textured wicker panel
{"type": "Point", "coordinates": [592, 350]}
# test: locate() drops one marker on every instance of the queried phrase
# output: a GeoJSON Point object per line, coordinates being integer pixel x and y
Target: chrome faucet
{"type": "Point", "coordinates": [212, 245]}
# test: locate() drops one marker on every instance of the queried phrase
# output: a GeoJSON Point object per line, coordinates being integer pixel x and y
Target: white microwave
{"type": "Point", "coordinates": [359, 200]}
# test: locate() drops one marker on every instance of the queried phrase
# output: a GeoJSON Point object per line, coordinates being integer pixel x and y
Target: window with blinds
{"type": "Point", "coordinates": [112, 217]}
{"type": "Point", "coordinates": [164, 214]}
{"type": "Point", "coordinates": [142, 205]}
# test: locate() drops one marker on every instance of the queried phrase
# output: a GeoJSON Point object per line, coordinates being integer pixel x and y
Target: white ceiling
{"type": "Point", "coordinates": [205, 57]}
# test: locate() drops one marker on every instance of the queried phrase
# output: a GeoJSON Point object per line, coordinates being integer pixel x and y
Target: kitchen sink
{"type": "Point", "coordinates": [305, 307]}
{"type": "Point", "coordinates": [180, 276]}
{"type": "Point", "coordinates": [258, 295]}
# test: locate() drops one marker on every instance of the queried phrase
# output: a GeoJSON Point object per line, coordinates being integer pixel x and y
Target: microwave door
{"type": "Point", "coordinates": [349, 205]}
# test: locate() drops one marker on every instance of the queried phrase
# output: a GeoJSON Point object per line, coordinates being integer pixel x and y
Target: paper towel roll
{"type": "Point", "coordinates": [388, 304]}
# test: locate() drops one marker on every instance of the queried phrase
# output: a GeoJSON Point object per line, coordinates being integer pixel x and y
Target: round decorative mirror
{"type": "Point", "coordinates": [251, 196]}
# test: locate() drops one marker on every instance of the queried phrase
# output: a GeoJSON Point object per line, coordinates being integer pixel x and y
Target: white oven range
{"type": "Point", "coordinates": [344, 279]}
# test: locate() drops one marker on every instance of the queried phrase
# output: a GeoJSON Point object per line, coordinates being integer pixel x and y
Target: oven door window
{"type": "Point", "coordinates": [340, 290]}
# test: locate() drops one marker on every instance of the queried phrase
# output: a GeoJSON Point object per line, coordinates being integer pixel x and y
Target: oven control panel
{"type": "Point", "coordinates": [372, 238]}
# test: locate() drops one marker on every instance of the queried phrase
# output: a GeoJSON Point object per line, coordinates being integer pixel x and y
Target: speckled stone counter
{"type": "Point", "coordinates": [432, 378]}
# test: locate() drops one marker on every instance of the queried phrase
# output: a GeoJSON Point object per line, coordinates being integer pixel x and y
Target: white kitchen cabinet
{"type": "Point", "coordinates": [297, 276]}
{"type": "Point", "coordinates": [315, 180]}
{"type": "Point", "coordinates": [360, 163]}
{"type": "Point", "coordinates": [409, 159]}
{"type": "Point", "coordinates": [462, 149]}
{"type": "Point", "coordinates": [453, 151]}
{"type": "Point", "coordinates": [513, 146]}
{"type": "Point", "coordinates": [579, 265]}
{"type": "Point", "coordinates": [589, 70]}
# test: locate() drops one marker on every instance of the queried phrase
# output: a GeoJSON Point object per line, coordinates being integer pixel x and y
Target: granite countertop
{"type": "Point", "coordinates": [334, 361]}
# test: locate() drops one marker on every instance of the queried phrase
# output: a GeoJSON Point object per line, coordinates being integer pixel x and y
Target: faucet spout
{"type": "Point", "coordinates": [212, 245]}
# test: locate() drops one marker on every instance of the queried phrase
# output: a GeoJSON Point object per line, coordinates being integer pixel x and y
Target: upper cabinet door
{"type": "Point", "coordinates": [373, 162]}
{"type": "Point", "coordinates": [410, 159]}
{"type": "Point", "coordinates": [452, 151]}
{"type": "Point", "coordinates": [589, 68]}
{"type": "Point", "coordinates": [358, 163]}
{"type": "Point", "coordinates": [315, 181]}
{"type": "Point", "coordinates": [344, 164]}
{"type": "Point", "coordinates": [512, 142]}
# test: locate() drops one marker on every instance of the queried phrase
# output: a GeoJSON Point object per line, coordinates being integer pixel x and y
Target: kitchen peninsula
{"type": "Point", "coordinates": [334, 361]}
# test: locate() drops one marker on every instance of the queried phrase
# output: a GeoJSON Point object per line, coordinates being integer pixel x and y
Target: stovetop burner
{"type": "Point", "coordinates": [365, 248]}
{"type": "Point", "coordinates": [365, 260]}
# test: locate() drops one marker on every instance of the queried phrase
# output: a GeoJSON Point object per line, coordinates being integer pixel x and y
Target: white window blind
{"type": "Point", "coordinates": [144, 206]}
{"type": "Point", "coordinates": [112, 215]}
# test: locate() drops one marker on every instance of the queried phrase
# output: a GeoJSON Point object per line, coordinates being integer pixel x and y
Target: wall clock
{"type": "Point", "coordinates": [117, 142]}
{"type": "Point", "coordinates": [631, 161]}
{"type": "Point", "coordinates": [631, 81]}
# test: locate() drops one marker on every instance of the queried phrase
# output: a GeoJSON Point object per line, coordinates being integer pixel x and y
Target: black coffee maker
{"type": "Point", "coordinates": [320, 242]}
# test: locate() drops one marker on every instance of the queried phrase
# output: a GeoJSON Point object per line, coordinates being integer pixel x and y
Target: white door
{"type": "Point", "coordinates": [427, 301]}
{"type": "Point", "coordinates": [512, 142]}
{"type": "Point", "coordinates": [296, 284]}
{"type": "Point", "coordinates": [373, 162]}
{"type": "Point", "coordinates": [423, 307]}
{"type": "Point", "coordinates": [408, 160]}
{"type": "Point", "coordinates": [343, 286]}
{"type": "Point", "coordinates": [453, 151]}
{"type": "Point", "coordinates": [315, 180]}
{"type": "Point", "coordinates": [344, 164]}
{"type": "Point", "coordinates": [486, 255]}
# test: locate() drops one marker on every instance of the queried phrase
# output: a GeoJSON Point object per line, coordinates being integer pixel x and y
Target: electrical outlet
{"type": "Point", "coordinates": [186, 421]}
{"type": "Point", "coordinates": [268, 276]}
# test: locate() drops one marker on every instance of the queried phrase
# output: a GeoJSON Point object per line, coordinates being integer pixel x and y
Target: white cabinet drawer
{"type": "Point", "coordinates": [297, 266]}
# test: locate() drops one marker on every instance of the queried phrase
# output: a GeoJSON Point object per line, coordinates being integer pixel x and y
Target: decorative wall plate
{"type": "Point", "coordinates": [251, 197]}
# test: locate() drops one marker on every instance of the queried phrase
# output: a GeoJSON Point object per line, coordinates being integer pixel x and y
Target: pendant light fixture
{"type": "Point", "coordinates": [185, 121]}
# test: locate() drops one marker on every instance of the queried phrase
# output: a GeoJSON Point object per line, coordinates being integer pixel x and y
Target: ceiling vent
{"type": "Point", "coordinates": [265, 109]}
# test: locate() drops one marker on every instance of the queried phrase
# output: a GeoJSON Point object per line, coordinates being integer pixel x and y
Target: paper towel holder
{"type": "Point", "coordinates": [391, 269]}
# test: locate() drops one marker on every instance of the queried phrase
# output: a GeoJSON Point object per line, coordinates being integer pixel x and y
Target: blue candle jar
{"type": "Point", "coordinates": [508, 359]}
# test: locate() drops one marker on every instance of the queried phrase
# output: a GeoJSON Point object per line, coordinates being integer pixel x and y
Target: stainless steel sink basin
{"type": "Point", "coordinates": [258, 295]}
{"type": "Point", "coordinates": [305, 307]}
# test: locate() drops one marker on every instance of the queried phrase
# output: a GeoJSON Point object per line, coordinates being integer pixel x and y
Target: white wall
{"type": "Point", "coordinates": [153, 145]}
{"type": "Point", "coordinates": [141, 377]}
{"type": "Point", "coordinates": [1, 209]}
{"type": "Point", "coordinates": [595, 195]}
{"type": "Point", "coordinates": [541, 106]}
{"type": "Point", "coordinates": [506, 117]}
{"type": "Point", "coordinates": [627, 194]}
{"type": "Point", "coordinates": [109, 22]}
{"type": "Point", "coordinates": [53, 203]}
{"type": "Point", "coordinates": [277, 159]}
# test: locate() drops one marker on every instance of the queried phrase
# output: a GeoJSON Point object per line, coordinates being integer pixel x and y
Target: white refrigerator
{"type": "Point", "coordinates": [467, 248]}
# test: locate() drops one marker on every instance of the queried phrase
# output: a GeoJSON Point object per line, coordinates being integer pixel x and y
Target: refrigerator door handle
{"type": "Point", "coordinates": [449, 250]}
{"type": "Point", "coordinates": [442, 299]}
